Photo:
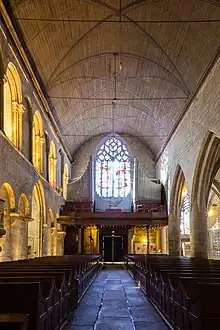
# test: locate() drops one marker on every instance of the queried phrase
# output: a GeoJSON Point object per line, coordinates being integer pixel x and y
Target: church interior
{"type": "Point", "coordinates": [109, 164]}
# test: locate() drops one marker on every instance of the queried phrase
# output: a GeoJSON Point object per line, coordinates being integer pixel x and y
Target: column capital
{"type": "Point", "coordinates": [20, 108]}
{"type": "Point", "coordinates": [14, 105]}
{"type": "Point", "coordinates": [61, 234]}
{"type": "Point", "coordinates": [41, 140]}
{"type": "Point", "coordinates": [14, 216]}
{"type": "Point", "coordinates": [25, 218]}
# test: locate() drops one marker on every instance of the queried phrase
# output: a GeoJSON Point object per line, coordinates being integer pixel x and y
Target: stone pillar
{"type": "Point", "coordinates": [60, 242]}
{"type": "Point", "coordinates": [130, 240]}
{"type": "Point", "coordinates": [14, 123]}
{"type": "Point", "coordinates": [40, 159]}
{"type": "Point", "coordinates": [20, 110]}
{"type": "Point", "coordinates": [164, 240]}
{"type": "Point", "coordinates": [2, 81]}
{"type": "Point", "coordinates": [46, 240]}
{"type": "Point", "coordinates": [174, 235]}
{"type": "Point", "coordinates": [199, 231]}
{"type": "Point", "coordinates": [148, 238]}
{"type": "Point", "coordinates": [158, 240]}
{"type": "Point", "coordinates": [53, 241]}
{"type": "Point", "coordinates": [97, 240]}
{"type": "Point", "coordinates": [79, 240]}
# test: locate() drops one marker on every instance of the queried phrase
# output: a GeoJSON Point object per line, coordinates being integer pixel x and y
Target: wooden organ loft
{"type": "Point", "coordinates": [113, 232]}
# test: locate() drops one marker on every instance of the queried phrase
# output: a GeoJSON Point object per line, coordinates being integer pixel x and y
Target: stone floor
{"type": "Point", "coordinates": [114, 302]}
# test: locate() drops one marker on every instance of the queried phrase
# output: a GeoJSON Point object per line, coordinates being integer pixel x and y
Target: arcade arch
{"type": "Point", "coordinates": [35, 227]}
{"type": "Point", "coordinates": [178, 194]}
{"type": "Point", "coordinates": [13, 107]}
{"type": "Point", "coordinates": [7, 195]}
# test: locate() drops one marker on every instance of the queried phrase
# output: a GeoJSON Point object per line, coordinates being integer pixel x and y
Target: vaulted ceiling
{"type": "Point", "coordinates": [125, 66]}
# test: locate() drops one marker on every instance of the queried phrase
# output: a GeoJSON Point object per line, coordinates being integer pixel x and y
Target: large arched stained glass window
{"type": "Point", "coordinates": [113, 169]}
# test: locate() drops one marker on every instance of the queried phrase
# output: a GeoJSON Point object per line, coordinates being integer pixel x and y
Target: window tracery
{"type": "Point", "coordinates": [113, 166]}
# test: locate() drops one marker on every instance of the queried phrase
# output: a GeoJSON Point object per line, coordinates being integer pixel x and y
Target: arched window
{"type": "Point", "coordinates": [185, 216]}
{"type": "Point", "coordinates": [52, 164]}
{"type": "Point", "coordinates": [113, 167]}
{"type": "Point", "coordinates": [37, 142]}
{"type": "Point", "coordinates": [13, 107]}
{"type": "Point", "coordinates": [65, 180]}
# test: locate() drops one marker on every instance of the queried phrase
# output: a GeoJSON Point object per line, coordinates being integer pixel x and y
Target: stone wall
{"type": "Point", "coordinates": [17, 171]}
{"type": "Point", "coordinates": [183, 149]}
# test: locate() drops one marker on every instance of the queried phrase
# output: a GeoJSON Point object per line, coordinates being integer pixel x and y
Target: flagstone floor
{"type": "Point", "coordinates": [114, 302]}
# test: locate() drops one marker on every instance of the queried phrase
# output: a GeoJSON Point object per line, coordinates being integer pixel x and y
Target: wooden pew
{"type": "Point", "coordinates": [185, 291]}
{"type": "Point", "coordinates": [14, 321]}
{"type": "Point", "coordinates": [54, 283]}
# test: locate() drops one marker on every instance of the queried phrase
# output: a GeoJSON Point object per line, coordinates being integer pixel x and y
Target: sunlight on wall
{"type": "Point", "coordinates": [37, 142]}
{"type": "Point", "coordinates": [52, 164]}
{"type": "Point", "coordinates": [13, 108]}
{"type": "Point", "coordinates": [65, 180]}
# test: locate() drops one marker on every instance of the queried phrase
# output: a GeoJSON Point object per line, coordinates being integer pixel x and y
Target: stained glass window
{"type": "Point", "coordinates": [185, 216]}
{"type": "Point", "coordinates": [113, 169]}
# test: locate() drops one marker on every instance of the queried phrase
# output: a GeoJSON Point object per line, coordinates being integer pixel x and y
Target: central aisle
{"type": "Point", "coordinates": [114, 302]}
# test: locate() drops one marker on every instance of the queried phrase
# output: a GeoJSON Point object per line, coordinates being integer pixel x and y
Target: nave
{"type": "Point", "coordinates": [114, 301]}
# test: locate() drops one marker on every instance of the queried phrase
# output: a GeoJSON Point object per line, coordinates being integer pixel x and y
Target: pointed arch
{"type": "Point", "coordinates": [7, 195]}
{"type": "Point", "coordinates": [23, 206]}
{"type": "Point", "coordinates": [207, 165]}
{"type": "Point", "coordinates": [37, 142]}
{"type": "Point", "coordinates": [65, 180]}
{"type": "Point", "coordinates": [35, 227]}
{"type": "Point", "coordinates": [52, 160]}
{"type": "Point", "coordinates": [176, 198]}
{"type": "Point", "coordinates": [13, 107]}
{"type": "Point", "coordinates": [10, 195]}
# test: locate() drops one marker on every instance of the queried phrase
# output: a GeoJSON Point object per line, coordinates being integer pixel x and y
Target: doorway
{"type": "Point", "coordinates": [113, 247]}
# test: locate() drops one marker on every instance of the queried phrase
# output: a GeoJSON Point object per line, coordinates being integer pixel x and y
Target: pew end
{"type": "Point", "coordinates": [14, 321]}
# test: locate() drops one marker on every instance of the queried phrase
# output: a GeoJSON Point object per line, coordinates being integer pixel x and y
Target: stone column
{"type": "Point", "coordinates": [97, 239]}
{"type": "Point", "coordinates": [46, 240]}
{"type": "Point", "coordinates": [158, 240]}
{"type": "Point", "coordinates": [60, 242]}
{"type": "Point", "coordinates": [199, 231]}
{"type": "Point", "coordinates": [40, 159]}
{"type": "Point", "coordinates": [14, 123]}
{"type": "Point", "coordinates": [130, 240]}
{"type": "Point", "coordinates": [20, 110]}
{"type": "Point", "coordinates": [53, 241]}
{"type": "Point", "coordinates": [164, 240]}
{"type": "Point", "coordinates": [79, 240]}
{"type": "Point", "coordinates": [2, 82]}
{"type": "Point", "coordinates": [174, 235]}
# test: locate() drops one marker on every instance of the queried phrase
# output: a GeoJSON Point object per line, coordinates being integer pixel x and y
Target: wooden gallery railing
{"type": "Point", "coordinates": [185, 291]}
{"type": "Point", "coordinates": [41, 293]}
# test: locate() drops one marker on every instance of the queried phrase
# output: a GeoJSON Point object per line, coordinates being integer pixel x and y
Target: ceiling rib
{"type": "Point", "coordinates": [123, 54]}
{"type": "Point", "coordinates": [98, 25]}
{"type": "Point", "coordinates": [110, 104]}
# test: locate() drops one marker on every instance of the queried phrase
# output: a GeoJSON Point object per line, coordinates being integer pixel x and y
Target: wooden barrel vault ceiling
{"type": "Point", "coordinates": [126, 66]}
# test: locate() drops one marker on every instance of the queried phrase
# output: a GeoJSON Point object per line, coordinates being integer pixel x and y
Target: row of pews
{"type": "Point", "coordinates": [41, 293]}
{"type": "Point", "coordinates": [186, 291]}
